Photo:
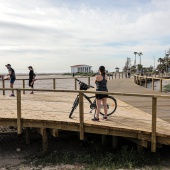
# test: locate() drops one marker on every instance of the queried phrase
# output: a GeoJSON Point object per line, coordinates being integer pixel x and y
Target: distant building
{"type": "Point", "coordinates": [81, 68]}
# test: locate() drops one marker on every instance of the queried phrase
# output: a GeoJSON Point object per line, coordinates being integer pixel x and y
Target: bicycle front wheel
{"type": "Point", "coordinates": [111, 106]}
{"type": "Point", "coordinates": [75, 104]}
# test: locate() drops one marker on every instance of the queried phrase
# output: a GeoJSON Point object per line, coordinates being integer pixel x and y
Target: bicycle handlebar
{"type": "Point", "coordinates": [84, 83]}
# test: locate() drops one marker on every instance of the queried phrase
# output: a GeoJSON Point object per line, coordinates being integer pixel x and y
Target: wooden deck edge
{"type": "Point", "coordinates": [72, 126]}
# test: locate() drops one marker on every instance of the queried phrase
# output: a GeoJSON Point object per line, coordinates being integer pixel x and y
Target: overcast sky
{"type": "Point", "coordinates": [55, 34]}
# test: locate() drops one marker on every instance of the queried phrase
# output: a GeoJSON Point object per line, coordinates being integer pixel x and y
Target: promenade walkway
{"type": "Point", "coordinates": [142, 103]}
{"type": "Point", "coordinates": [50, 110]}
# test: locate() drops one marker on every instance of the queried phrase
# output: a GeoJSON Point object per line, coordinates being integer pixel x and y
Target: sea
{"type": "Point", "coordinates": [26, 71]}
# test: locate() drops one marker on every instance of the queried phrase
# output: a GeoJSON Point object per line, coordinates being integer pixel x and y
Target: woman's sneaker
{"type": "Point", "coordinates": [104, 117]}
{"type": "Point", "coordinates": [95, 119]}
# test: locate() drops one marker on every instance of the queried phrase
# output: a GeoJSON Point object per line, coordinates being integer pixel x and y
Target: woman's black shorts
{"type": "Point", "coordinates": [101, 96]}
{"type": "Point", "coordinates": [31, 83]}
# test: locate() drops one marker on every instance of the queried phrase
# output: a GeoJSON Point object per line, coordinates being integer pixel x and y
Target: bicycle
{"type": "Point", "coordinates": [111, 101]}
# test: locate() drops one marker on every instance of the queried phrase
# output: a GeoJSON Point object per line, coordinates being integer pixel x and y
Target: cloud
{"type": "Point", "coordinates": [72, 32]}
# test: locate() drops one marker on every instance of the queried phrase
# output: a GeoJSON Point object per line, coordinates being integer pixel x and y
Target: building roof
{"type": "Point", "coordinates": [80, 65]}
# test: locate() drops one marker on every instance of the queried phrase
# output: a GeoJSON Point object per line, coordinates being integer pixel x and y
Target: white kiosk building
{"type": "Point", "coordinates": [81, 68]}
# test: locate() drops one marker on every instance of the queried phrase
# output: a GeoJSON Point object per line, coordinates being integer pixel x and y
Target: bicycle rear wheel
{"type": "Point", "coordinates": [75, 104]}
{"type": "Point", "coordinates": [111, 106]}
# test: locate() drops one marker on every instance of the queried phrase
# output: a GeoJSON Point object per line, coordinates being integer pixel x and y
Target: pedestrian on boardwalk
{"type": "Point", "coordinates": [12, 77]}
{"type": "Point", "coordinates": [31, 78]}
{"type": "Point", "coordinates": [101, 85]}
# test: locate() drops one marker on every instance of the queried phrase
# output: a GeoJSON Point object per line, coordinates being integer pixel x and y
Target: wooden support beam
{"type": "Point", "coordinates": [139, 142]}
{"type": "Point", "coordinates": [3, 86]}
{"type": "Point", "coordinates": [89, 81]}
{"type": "Point", "coordinates": [75, 84]}
{"type": "Point", "coordinates": [54, 84]}
{"type": "Point", "coordinates": [140, 81]}
{"type": "Point", "coordinates": [114, 142]}
{"type": "Point", "coordinates": [54, 132]}
{"type": "Point", "coordinates": [146, 82]}
{"type": "Point", "coordinates": [154, 119]}
{"type": "Point", "coordinates": [140, 148]}
{"type": "Point", "coordinates": [27, 135]}
{"type": "Point", "coordinates": [44, 140]}
{"type": "Point", "coordinates": [160, 85]}
{"type": "Point", "coordinates": [104, 140]}
{"type": "Point", "coordinates": [81, 115]}
{"type": "Point", "coordinates": [19, 128]}
{"type": "Point", "coordinates": [153, 84]}
{"type": "Point", "coordinates": [23, 84]}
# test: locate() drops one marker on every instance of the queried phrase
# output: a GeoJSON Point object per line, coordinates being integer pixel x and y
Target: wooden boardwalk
{"type": "Point", "coordinates": [50, 110]}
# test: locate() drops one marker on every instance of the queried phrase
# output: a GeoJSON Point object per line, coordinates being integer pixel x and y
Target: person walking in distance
{"type": "Point", "coordinates": [31, 78]}
{"type": "Point", "coordinates": [101, 85]}
{"type": "Point", "coordinates": [12, 77]}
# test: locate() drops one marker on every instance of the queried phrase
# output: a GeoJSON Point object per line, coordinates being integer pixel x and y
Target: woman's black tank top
{"type": "Point", "coordinates": [101, 85]}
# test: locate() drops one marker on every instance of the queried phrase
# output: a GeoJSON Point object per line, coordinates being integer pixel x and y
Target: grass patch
{"type": "Point", "coordinates": [167, 88]}
{"type": "Point", "coordinates": [93, 157]}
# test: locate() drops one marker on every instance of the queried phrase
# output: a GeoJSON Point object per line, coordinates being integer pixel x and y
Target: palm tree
{"type": "Point", "coordinates": [135, 58]}
{"type": "Point", "coordinates": [140, 53]}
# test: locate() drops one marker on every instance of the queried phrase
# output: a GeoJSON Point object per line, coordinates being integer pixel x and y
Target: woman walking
{"type": "Point", "coordinates": [31, 78]}
{"type": "Point", "coordinates": [101, 85]}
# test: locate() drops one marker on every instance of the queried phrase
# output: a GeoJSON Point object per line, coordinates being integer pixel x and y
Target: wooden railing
{"type": "Point", "coordinates": [116, 75]}
{"type": "Point", "coordinates": [138, 80]}
{"type": "Point", "coordinates": [81, 108]}
{"type": "Point", "coordinates": [53, 82]}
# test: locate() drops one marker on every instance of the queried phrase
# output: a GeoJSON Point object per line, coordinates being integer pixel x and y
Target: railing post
{"type": "Point", "coordinates": [3, 86]}
{"type": "Point", "coordinates": [160, 85]}
{"type": "Point", "coordinates": [154, 117]}
{"type": "Point", "coordinates": [152, 83]}
{"type": "Point", "coordinates": [109, 76]}
{"type": "Point", "coordinates": [54, 84]}
{"type": "Point", "coordinates": [89, 81]}
{"type": "Point", "coordinates": [23, 83]}
{"type": "Point", "coordinates": [81, 115]}
{"type": "Point", "coordinates": [115, 75]}
{"type": "Point", "coordinates": [75, 82]}
{"type": "Point", "coordinates": [119, 75]}
{"type": "Point", "coordinates": [146, 83]}
{"type": "Point", "coordinates": [140, 82]}
{"type": "Point", "coordinates": [19, 129]}
{"type": "Point", "coordinates": [112, 76]}
{"type": "Point", "coordinates": [122, 74]}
